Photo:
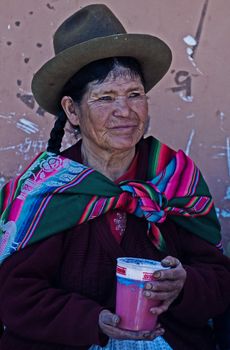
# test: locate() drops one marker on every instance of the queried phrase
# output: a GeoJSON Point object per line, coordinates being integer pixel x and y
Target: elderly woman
{"type": "Point", "coordinates": [68, 217]}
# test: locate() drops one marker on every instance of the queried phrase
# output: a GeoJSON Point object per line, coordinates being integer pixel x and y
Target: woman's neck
{"type": "Point", "coordinates": [112, 164]}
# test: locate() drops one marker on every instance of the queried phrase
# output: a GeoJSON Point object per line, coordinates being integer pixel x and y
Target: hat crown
{"type": "Point", "coordinates": [91, 22]}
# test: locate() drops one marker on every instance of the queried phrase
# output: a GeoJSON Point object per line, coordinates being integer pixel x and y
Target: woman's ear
{"type": "Point", "coordinates": [71, 110]}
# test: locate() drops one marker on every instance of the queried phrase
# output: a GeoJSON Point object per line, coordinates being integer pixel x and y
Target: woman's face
{"type": "Point", "coordinates": [113, 115]}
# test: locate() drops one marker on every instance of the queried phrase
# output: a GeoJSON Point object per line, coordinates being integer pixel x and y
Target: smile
{"type": "Point", "coordinates": [124, 127]}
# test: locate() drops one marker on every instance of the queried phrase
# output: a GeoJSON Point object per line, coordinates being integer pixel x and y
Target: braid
{"type": "Point", "coordinates": [57, 133]}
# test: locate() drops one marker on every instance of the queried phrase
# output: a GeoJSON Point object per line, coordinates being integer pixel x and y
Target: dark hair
{"type": "Point", "coordinates": [77, 86]}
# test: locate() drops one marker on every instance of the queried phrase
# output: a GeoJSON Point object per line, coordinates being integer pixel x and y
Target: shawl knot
{"type": "Point", "coordinates": [143, 199]}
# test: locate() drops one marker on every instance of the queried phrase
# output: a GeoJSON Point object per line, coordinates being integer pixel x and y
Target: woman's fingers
{"type": "Point", "coordinates": [162, 286]}
{"type": "Point", "coordinates": [117, 333]}
{"type": "Point", "coordinates": [170, 261]}
{"type": "Point", "coordinates": [109, 318]}
{"type": "Point", "coordinates": [160, 296]}
{"type": "Point", "coordinates": [157, 310]}
{"type": "Point", "coordinates": [109, 324]}
{"type": "Point", "coordinates": [167, 284]}
{"type": "Point", "coordinates": [174, 273]}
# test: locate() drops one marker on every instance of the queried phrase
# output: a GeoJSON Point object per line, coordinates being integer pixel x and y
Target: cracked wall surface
{"type": "Point", "coordinates": [189, 108]}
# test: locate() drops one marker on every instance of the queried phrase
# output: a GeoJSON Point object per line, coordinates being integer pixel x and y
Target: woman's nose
{"type": "Point", "coordinates": [121, 107]}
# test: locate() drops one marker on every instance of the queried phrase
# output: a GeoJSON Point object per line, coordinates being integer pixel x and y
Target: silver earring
{"type": "Point", "coordinates": [77, 132]}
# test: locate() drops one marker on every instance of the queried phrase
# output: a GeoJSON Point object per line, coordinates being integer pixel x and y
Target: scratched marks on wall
{"type": "Point", "coordinates": [222, 117]}
{"type": "Point", "coordinates": [187, 150]}
{"type": "Point", "coordinates": [200, 122]}
{"type": "Point", "coordinates": [223, 213]}
{"type": "Point", "coordinates": [29, 146]}
{"type": "Point", "coordinates": [200, 27]}
{"type": "Point", "coordinates": [21, 152]}
{"type": "Point", "coordinates": [17, 28]}
{"type": "Point", "coordinates": [29, 100]}
{"type": "Point", "coordinates": [23, 123]}
{"type": "Point", "coordinates": [27, 126]}
{"type": "Point", "coordinates": [23, 135]}
{"type": "Point", "coordinates": [183, 86]}
{"type": "Point", "coordinates": [24, 148]}
{"type": "Point", "coordinates": [182, 78]}
{"type": "Point", "coordinates": [191, 41]}
{"type": "Point", "coordinates": [223, 151]}
{"type": "Point", "coordinates": [228, 153]}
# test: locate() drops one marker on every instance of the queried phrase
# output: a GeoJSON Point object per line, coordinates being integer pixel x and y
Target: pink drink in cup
{"type": "Point", "coordinates": [131, 305]}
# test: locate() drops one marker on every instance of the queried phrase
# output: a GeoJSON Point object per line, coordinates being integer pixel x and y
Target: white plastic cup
{"type": "Point", "coordinates": [131, 305]}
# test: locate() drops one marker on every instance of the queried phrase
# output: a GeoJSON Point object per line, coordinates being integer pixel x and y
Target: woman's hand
{"type": "Point", "coordinates": [109, 324]}
{"type": "Point", "coordinates": [167, 285]}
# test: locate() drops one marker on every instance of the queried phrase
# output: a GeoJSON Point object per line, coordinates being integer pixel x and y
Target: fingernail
{"type": "Point", "coordinates": [147, 294]}
{"type": "Point", "coordinates": [115, 319]}
{"type": "Point", "coordinates": [157, 274]}
{"type": "Point", "coordinates": [167, 262]}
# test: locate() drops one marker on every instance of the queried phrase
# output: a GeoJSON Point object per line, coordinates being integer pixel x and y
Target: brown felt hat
{"type": "Point", "coordinates": [90, 34]}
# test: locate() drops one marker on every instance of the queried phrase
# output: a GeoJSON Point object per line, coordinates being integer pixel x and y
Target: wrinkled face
{"type": "Point", "coordinates": [113, 115]}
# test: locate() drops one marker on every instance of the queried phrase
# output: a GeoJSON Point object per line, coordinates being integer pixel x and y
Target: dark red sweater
{"type": "Point", "coordinates": [51, 293]}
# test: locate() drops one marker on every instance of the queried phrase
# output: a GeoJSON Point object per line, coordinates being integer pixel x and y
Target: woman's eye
{"type": "Point", "coordinates": [105, 98]}
{"type": "Point", "coordinates": [135, 94]}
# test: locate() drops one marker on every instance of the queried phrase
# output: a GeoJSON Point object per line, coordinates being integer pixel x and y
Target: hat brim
{"type": "Point", "coordinates": [152, 53]}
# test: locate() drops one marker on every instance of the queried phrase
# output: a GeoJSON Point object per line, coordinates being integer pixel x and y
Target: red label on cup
{"type": "Point", "coordinates": [147, 276]}
{"type": "Point", "coordinates": [121, 270]}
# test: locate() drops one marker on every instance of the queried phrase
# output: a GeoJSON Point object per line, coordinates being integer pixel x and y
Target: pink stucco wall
{"type": "Point", "coordinates": [189, 108]}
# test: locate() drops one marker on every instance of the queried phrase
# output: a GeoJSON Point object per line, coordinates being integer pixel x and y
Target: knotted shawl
{"type": "Point", "coordinates": [56, 193]}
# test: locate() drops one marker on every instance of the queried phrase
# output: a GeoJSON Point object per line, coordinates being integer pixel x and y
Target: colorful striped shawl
{"type": "Point", "coordinates": [55, 193]}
